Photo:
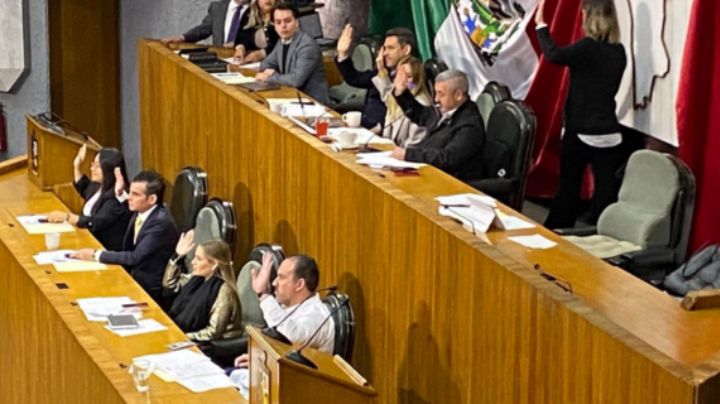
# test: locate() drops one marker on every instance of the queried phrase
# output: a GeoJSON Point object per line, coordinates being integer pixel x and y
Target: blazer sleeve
{"type": "Point", "coordinates": [354, 77]}
{"type": "Point", "coordinates": [567, 56]}
{"type": "Point", "coordinates": [109, 212]}
{"type": "Point", "coordinates": [81, 186]}
{"type": "Point", "coordinates": [272, 60]}
{"type": "Point", "coordinates": [174, 277]}
{"type": "Point", "coordinates": [157, 236]}
{"type": "Point", "coordinates": [465, 144]}
{"type": "Point", "coordinates": [203, 30]}
{"type": "Point", "coordinates": [308, 58]}
{"type": "Point", "coordinates": [221, 315]}
{"type": "Point", "coordinates": [420, 114]}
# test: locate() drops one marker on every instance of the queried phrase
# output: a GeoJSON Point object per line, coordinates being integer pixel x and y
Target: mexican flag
{"type": "Point", "coordinates": [487, 39]}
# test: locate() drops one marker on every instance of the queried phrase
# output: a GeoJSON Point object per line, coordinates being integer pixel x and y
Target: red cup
{"type": "Point", "coordinates": [321, 127]}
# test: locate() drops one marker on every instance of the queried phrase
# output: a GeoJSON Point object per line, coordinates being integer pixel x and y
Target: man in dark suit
{"type": "Point", "coordinates": [399, 42]}
{"type": "Point", "coordinates": [456, 134]}
{"type": "Point", "coordinates": [296, 60]}
{"type": "Point", "coordinates": [222, 22]}
{"type": "Point", "coordinates": [150, 238]}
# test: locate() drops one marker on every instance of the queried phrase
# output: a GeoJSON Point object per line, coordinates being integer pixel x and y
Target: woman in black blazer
{"type": "Point", "coordinates": [592, 131]}
{"type": "Point", "coordinates": [105, 216]}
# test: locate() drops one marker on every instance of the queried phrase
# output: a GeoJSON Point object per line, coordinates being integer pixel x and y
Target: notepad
{"type": "Point", "coordinates": [33, 225]}
{"type": "Point", "coordinates": [72, 265]}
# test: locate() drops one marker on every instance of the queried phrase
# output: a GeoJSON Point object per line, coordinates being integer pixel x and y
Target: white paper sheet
{"type": "Point", "coordinates": [233, 78]}
{"type": "Point", "coordinates": [73, 265]}
{"type": "Point", "coordinates": [465, 199]}
{"type": "Point", "coordinates": [32, 225]}
{"type": "Point", "coordinates": [147, 325]}
{"type": "Point", "coordinates": [190, 369]}
{"type": "Point", "coordinates": [362, 136]}
{"type": "Point", "coordinates": [51, 257]}
{"type": "Point", "coordinates": [383, 160]}
{"type": "Point", "coordinates": [513, 222]}
{"type": "Point", "coordinates": [98, 308]}
{"type": "Point", "coordinates": [534, 241]}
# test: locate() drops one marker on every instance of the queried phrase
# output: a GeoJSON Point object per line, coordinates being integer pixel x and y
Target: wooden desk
{"type": "Point", "coordinates": [443, 316]}
{"type": "Point", "coordinates": [50, 352]}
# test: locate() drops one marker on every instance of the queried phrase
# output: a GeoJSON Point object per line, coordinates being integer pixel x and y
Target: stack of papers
{"type": "Point", "coordinates": [233, 78]}
{"type": "Point", "coordinates": [362, 136]}
{"type": "Point", "coordinates": [383, 160]}
{"type": "Point", "coordinates": [291, 107]}
{"type": "Point", "coordinates": [62, 263]}
{"type": "Point", "coordinates": [192, 370]}
{"type": "Point", "coordinates": [534, 241]}
{"type": "Point", "coordinates": [478, 212]}
{"type": "Point", "coordinates": [98, 308]}
{"type": "Point", "coordinates": [36, 224]}
{"type": "Point", "coordinates": [51, 257]}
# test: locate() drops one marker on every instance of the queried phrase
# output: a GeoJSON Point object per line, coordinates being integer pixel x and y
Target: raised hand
{"type": "Point", "coordinates": [119, 182]}
{"type": "Point", "coordinates": [186, 243]}
{"type": "Point", "coordinates": [344, 42]}
{"type": "Point", "coordinates": [540, 13]}
{"type": "Point", "coordinates": [380, 63]}
{"type": "Point", "coordinates": [261, 277]}
{"type": "Point", "coordinates": [80, 156]}
{"type": "Point", "coordinates": [401, 81]}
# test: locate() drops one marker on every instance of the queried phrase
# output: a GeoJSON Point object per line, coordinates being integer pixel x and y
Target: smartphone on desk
{"type": "Point", "coordinates": [122, 321]}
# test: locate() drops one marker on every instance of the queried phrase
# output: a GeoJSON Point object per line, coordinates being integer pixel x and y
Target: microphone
{"type": "Point", "coordinates": [297, 356]}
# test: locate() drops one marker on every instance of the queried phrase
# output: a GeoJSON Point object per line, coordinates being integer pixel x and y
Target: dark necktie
{"type": "Point", "coordinates": [234, 25]}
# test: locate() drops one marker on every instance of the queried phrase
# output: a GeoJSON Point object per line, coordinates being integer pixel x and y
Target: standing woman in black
{"type": "Point", "coordinates": [592, 131]}
{"type": "Point", "coordinates": [103, 214]}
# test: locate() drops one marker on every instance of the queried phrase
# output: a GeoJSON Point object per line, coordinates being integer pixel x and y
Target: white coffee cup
{"type": "Point", "coordinates": [352, 119]}
{"type": "Point", "coordinates": [277, 108]}
{"type": "Point", "coordinates": [346, 139]}
{"type": "Point", "coordinates": [52, 241]}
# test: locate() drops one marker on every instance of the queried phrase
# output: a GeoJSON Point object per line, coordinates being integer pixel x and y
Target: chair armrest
{"type": "Point", "coordinates": [577, 231]}
{"type": "Point", "coordinates": [652, 256]}
{"type": "Point", "coordinates": [495, 186]}
{"type": "Point", "coordinates": [224, 351]}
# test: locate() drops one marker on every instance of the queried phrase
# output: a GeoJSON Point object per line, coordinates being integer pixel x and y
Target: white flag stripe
{"type": "Point", "coordinates": [515, 64]}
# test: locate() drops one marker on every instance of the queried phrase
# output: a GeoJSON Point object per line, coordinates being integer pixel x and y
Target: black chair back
{"type": "Point", "coordinates": [498, 92]}
{"type": "Point", "coordinates": [506, 156]}
{"type": "Point", "coordinates": [344, 320]}
{"type": "Point", "coordinates": [433, 67]}
{"type": "Point", "coordinates": [682, 212]}
{"type": "Point", "coordinates": [188, 197]}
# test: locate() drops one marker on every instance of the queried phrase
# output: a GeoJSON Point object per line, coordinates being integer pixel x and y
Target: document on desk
{"type": "Point", "coordinates": [290, 107]}
{"type": "Point", "coordinates": [383, 160]}
{"type": "Point", "coordinates": [36, 224]}
{"type": "Point", "coordinates": [51, 257]}
{"type": "Point", "coordinates": [534, 241]}
{"type": "Point", "coordinates": [147, 325]}
{"type": "Point", "coordinates": [97, 309]}
{"type": "Point", "coordinates": [73, 265]}
{"type": "Point", "coordinates": [513, 222]}
{"type": "Point", "coordinates": [190, 369]}
{"type": "Point", "coordinates": [233, 78]}
{"type": "Point", "coordinates": [465, 199]}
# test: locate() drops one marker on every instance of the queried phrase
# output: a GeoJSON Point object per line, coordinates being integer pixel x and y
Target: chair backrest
{"type": "Point", "coordinates": [433, 67]}
{"type": "Point", "coordinates": [216, 220]}
{"type": "Point", "coordinates": [655, 203]}
{"type": "Point", "coordinates": [188, 197]}
{"type": "Point", "coordinates": [508, 146]}
{"type": "Point", "coordinates": [311, 25]}
{"type": "Point", "coordinates": [492, 94]}
{"type": "Point", "coordinates": [344, 320]}
{"type": "Point", "coordinates": [363, 57]}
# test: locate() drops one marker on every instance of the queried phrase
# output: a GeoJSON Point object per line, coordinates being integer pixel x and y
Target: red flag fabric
{"type": "Point", "coordinates": [547, 97]}
{"type": "Point", "coordinates": [698, 117]}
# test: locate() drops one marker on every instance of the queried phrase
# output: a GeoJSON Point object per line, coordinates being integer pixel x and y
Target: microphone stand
{"type": "Point", "coordinates": [297, 356]}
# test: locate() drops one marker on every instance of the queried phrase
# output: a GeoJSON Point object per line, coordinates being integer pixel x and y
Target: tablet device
{"type": "Point", "coordinates": [258, 86]}
{"type": "Point", "coordinates": [122, 321]}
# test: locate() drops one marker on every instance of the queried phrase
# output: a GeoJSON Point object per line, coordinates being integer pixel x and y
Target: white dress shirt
{"type": "Point", "coordinates": [302, 323]}
{"type": "Point", "coordinates": [90, 204]}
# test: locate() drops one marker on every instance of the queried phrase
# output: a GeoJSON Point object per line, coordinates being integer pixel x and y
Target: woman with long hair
{"type": "Point", "coordinates": [398, 127]}
{"type": "Point", "coordinates": [257, 36]}
{"type": "Point", "coordinates": [592, 131]}
{"type": "Point", "coordinates": [103, 214]}
{"type": "Point", "coordinates": [207, 306]}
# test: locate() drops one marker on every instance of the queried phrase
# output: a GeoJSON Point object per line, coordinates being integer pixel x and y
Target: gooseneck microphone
{"type": "Point", "coordinates": [297, 356]}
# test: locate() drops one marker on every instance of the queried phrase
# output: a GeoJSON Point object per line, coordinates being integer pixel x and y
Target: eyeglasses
{"type": "Point", "coordinates": [561, 283]}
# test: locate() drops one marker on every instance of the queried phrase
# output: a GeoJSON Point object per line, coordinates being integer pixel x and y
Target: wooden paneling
{"type": "Point", "coordinates": [85, 66]}
{"type": "Point", "coordinates": [50, 352]}
{"type": "Point", "coordinates": [442, 316]}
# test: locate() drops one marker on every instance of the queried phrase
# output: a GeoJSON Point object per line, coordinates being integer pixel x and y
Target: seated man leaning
{"type": "Point", "coordinates": [296, 60]}
{"type": "Point", "coordinates": [456, 135]}
{"type": "Point", "coordinates": [295, 310]}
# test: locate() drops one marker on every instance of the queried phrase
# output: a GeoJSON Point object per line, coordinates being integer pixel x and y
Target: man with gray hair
{"type": "Point", "coordinates": [456, 133]}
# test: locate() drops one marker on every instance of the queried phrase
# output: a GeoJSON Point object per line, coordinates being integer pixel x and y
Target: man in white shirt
{"type": "Point", "coordinates": [295, 311]}
{"type": "Point", "coordinates": [222, 22]}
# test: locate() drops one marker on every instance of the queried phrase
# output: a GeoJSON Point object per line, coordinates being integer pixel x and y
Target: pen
{"type": "Point", "coordinates": [137, 304]}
